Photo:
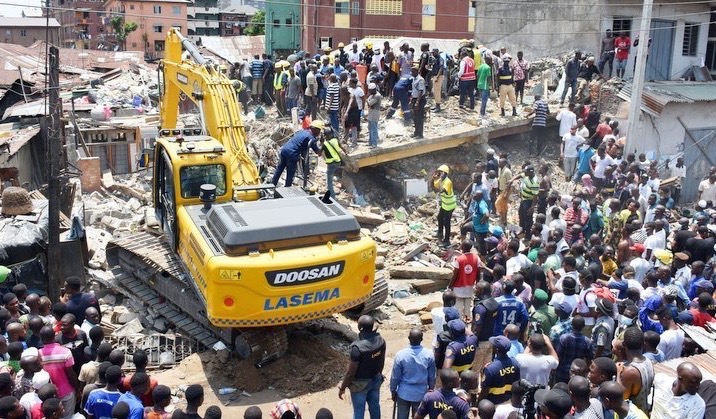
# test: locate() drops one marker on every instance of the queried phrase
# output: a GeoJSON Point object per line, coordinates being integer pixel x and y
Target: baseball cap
{"type": "Point", "coordinates": [702, 204]}
{"type": "Point", "coordinates": [492, 240]}
{"type": "Point", "coordinates": [704, 284]}
{"type": "Point", "coordinates": [637, 247]}
{"type": "Point", "coordinates": [497, 231]}
{"type": "Point", "coordinates": [456, 327]}
{"type": "Point", "coordinates": [40, 379]}
{"type": "Point", "coordinates": [564, 307]}
{"type": "Point", "coordinates": [681, 256]}
{"type": "Point", "coordinates": [451, 313]}
{"type": "Point", "coordinates": [685, 317]}
{"type": "Point", "coordinates": [501, 343]}
{"type": "Point", "coordinates": [541, 295]}
{"type": "Point", "coordinates": [557, 401]}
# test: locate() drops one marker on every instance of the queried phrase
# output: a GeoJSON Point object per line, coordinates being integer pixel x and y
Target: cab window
{"type": "Point", "coordinates": [192, 177]}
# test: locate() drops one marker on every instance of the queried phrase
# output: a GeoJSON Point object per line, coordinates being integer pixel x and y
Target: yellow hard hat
{"type": "Point", "coordinates": [369, 45]}
{"type": "Point", "coordinates": [444, 168]}
{"type": "Point", "coordinates": [341, 45]}
{"type": "Point", "coordinates": [318, 124]}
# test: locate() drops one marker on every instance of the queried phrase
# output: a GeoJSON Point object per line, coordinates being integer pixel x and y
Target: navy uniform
{"type": "Point", "coordinates": [434, 402]}
{"type": "Point", "coordinates": [484, 313]}
{"type": "Point", "coordinates": [461, 350]}
{"type": "Point", "coordinates": [498, 375]}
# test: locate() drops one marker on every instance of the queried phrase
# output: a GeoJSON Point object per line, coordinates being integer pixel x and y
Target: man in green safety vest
{"type": "Point", "coordinates": [529, 188]}
{"type": "Point", "coordinates": [447, 201]}
{"type": "Point", "coordinates": [332, 153]}
{"type": "Point", "coordinates": [280, 80]}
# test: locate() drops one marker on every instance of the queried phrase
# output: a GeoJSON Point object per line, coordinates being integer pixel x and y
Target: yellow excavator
{"type": "Point", "coordinates": [239, 260]}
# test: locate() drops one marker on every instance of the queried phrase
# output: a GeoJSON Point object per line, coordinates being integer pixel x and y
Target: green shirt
{"type": "Point", "coordinates": [484, 74]}
{"type": "Point", "coordinates": [546, 316]}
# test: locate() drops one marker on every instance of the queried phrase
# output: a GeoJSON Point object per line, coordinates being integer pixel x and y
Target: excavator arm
{"type": "Point", "coordinates": [203, 83]}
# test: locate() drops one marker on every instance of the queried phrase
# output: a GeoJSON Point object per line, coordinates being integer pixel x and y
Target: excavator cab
{"type": "Point", "coordinates": [192, 177]}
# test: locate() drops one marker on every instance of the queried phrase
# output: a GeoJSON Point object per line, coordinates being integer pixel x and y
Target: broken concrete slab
{"type": "Point", "coordinates": [131, 328]}
{"type": "Point", "coordinates": [428, 286]}
{"type": "Point", "coordinates": [415, 304]}
{"type": "Point", "coordinates": [367, 217]}
{"type": "Point", "coordinates": [393, 232]}
{"type": "Point", "coordinates": [415, 251]}
{"type": "Point", "coordinates": [417, 272]}
{"type": "Point", "coordinates": [426, 317]}
{"type": "Point", "coordinates": [380, 262]}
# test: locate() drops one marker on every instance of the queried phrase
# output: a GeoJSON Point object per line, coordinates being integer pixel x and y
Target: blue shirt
{"type": "Point", "coordinates": [510, 310]}
{"type": "Point", "coordinates": [515, 348]}
{"type": "Point", "coordinates": [480, 211]}
{"type": "Point", "coordinates": [413, 373]}
{"type": "Point", "coordinates": [136, 409]}
{"type": "Point", "coordinates": [584, 157]}
{"type": "Point", "coordinates": [299, 143]}
{"type": "Point", "coordinates": [435, 402]}
{"type": "Point", "coordinates": [100, 403]}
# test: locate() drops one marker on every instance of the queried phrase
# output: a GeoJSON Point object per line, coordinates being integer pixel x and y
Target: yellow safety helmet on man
{"type": "Point", "coordinates": [445, 169]}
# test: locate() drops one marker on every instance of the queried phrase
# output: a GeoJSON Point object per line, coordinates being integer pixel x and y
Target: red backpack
{"type": "Point", "coordinates": [601, 292]}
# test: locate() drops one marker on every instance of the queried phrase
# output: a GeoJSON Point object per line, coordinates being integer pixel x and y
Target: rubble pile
{"type": "Point", "coordinates": [603, 94]}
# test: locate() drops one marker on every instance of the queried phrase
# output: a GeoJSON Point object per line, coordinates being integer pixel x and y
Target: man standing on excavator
{"type": "Point", "coordinates": [291, 152]}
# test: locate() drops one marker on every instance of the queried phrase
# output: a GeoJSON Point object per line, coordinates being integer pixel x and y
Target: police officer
{"type": "Point", "coordinates": [435, 402]}
{"type": "Point", "coordinates": [483, 323]}
{"type": "Point", "coordinates": [461, 350]}
{"type": "Point", "coordinates": [365, 370]}
{"type": "Point", "coordinates": [295, 147]}
{"type": "Point", "coordinates": [506, 81]}
{"type": "Point", "coordinates": [331, 152]}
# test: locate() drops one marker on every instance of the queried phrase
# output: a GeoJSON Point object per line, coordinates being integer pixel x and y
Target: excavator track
{"type": "Point", "coordinates": [148, 270]}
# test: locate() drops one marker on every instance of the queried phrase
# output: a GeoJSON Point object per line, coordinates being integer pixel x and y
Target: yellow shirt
{"type": "Point", "coordinates": [608, 266]}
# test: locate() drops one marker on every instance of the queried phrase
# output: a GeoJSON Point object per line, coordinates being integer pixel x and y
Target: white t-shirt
{"type": "Point", "coordinates": [516, 263]}
{"type": "Point", "coordinates": [708, 190]}
{"type": "Point", "coordinates": [653, 242]}
{"type": "Point", "coordinates": [490, 184]}
{"type": "Point", "coordinates": [566, 119]}
{"type": "Point", "coordinates": [671, 343]}
{"type": "Point", "coordinates": [535, 368]}
{"type": "Point", "coordinates": [601, 164]}
{"type": "Point", "coordinates": [503, 411]}
{"type": "Point", "coordinates": [358, 92]}
{"type": "Point", "coordinates": [559, 297]}
{"type": "Point", "coordinates": [583, 132]}
{"type": "Point", "coordinates": [438, 316]}
{"type": "Point", "coordinates": [641, 267]}
{"type": "Point", "coordinates": [668, 406]}
{"type": "Point", "coordinates": [558, 224]}
{"type": "Point", "coordinates": [591, 302]}
{"type": "Point", "coordinates": [571, 144]}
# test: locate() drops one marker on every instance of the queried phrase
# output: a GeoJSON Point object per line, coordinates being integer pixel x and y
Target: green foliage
{"type": "Point", "coordinates": [258, 22]}
{"type": "Point", "coordinates": [122, 29]}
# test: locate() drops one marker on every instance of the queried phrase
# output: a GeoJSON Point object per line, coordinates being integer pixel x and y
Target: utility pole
{"type": "Point", "coordinates": [638, 82]}
{"type": "Point", "coordinates": [53, 146]}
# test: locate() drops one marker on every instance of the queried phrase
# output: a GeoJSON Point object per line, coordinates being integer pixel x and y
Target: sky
{"type": "Point", "coordinates": [8, 8]}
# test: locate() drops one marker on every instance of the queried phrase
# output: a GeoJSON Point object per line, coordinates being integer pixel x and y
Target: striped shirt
{"type": "Point", "coordinates": [257, 69]}
{"type": "Point", "coordinates": [541, 110]}
{"type": "Point", "coordinates": [55, 360]}
{"type": "Point", "coordinates": [333, 97]}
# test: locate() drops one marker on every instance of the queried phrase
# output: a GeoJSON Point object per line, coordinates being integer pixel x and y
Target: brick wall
{"type": "Point", "coordinates": [91, 178]}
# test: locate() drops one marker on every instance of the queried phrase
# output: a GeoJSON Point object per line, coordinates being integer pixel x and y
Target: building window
{"type": "Point", "coordinates": [326, 42]}
{"type": "Point", "coordinates": [355, 8]}
{"type": "Point", "coordinates": [341, 7]}
{"type": "Point", "coordinates": [691, 39]}
{"type": "Point", "coordinates": [131, 7]}
{"type": "Point", "coordinates": [178, 27]}
{"type": "Point", "coordinates": [158, 28]}
{"type": "Point", "coordinates": [134, 45]}
{"type": "Point", "coordinates": [276, 23]}
{"type": "Point", "coordinates": [384, 7]}
{"type": "Point", "coordinates": [176, 10]}
{"type": "Point", "coordinates": [158, 45]}
{"type": "Point", "coordinates": [289, 22]}
{"type": "Point", "coordinates": [621, 24]}
{"type": "Point", "coordinates": [157, 10]}
{"type": "Point", "coordinates": [23, 32]}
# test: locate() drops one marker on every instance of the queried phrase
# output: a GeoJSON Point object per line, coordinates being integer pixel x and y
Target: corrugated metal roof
{"type": "Point", "coordinates": [233, 48]}
{"type": "Point", "coordinates": [15, 139]}
{"type": "Point", "coordinates": [241, 10]}
{"type": "Point", "coordinates": [656, 95]}
{"type": "Point", "coordinates": [706, 363]}
{"type": "Point", "coordinates": [28, 22]}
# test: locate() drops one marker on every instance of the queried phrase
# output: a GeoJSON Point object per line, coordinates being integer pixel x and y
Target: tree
{"type": "Point", "coordinates": [122, 29]}
{"type": "Point", "coordinates": [258, 22]}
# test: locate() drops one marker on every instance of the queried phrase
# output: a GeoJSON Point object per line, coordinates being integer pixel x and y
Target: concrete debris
{"type": "Point", "coordinates": [132, 327]}
{"type": "Point", "coordinates": [413, 272]}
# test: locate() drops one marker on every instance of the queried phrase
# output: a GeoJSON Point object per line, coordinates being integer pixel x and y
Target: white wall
{"type": "Point", "coordinates": [664, 136]}
{"type": "Point", "coordinates": [680, 13]}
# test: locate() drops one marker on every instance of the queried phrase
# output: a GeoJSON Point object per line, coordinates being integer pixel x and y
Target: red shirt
{"type": "Point", "coordinates": [700, 319]}
{"type": "Point", "coordinates": [603, 129]}
{"type": "Point", "coordinates": [467, 270]}
{"type": "Point", "coordinates": [622, 45]}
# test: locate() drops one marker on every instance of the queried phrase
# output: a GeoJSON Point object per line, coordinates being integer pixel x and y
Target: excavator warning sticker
{"type": "Point", "coordinates": [229, 275]}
